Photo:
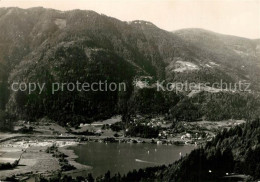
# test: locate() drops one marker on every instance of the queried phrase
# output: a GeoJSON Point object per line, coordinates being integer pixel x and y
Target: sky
{"type": "Point", "coordinates": [233, 17]}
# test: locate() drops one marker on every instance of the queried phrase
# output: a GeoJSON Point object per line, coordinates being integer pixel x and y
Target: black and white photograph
{"type": "Point", "coordinates": [129, 90]}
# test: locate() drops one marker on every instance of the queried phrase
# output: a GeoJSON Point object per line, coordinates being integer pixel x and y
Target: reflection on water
{"type": "Point", "coordinates": [123, 157]}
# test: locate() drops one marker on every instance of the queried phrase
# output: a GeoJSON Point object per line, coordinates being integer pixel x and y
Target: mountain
{"type": "Point", "coordinates": [236, 56]}
{"type": "Point", "coordinates": [48, 46]}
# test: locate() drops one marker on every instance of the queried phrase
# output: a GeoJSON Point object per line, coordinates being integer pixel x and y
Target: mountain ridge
{"type": "Point", "coordinates": [46, 45]}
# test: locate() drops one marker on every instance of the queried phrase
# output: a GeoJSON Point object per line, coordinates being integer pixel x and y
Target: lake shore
{"type": "Point", "coordinates": [36, 160]}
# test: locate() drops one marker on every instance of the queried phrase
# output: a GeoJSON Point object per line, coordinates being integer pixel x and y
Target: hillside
{"type": "Point", "coordinates": [238, 56]}
{"type": "Point", "coordinates": [233, 151]}
{"type": "Point", "coordinates": [47, 46]}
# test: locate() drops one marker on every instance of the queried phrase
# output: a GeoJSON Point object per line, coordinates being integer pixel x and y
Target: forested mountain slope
{"type": "Point", "coordinates": [49, 46]}
{"type": "Point", "coordinates": [238, 56]}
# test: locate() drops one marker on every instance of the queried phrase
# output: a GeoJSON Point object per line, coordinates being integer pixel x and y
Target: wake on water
{"type": "Point", "coordinates": [138, 160]}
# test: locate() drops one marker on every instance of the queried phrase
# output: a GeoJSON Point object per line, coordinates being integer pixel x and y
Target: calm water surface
{"type": "Point", "coordinates": [123, 157]}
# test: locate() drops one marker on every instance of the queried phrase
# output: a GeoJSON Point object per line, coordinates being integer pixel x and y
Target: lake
{"type": "Point", "coordinates": [124, 157]}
